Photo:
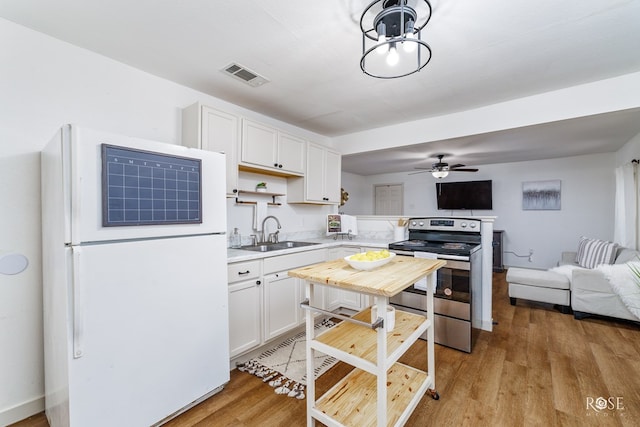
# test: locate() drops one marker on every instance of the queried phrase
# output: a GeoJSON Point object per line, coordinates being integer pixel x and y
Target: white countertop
{"type": "Point", "coordinates": [236, 255]}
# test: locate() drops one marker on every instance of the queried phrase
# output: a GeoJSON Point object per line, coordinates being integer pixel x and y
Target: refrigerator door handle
{"type": "Point", "coordinates": [77, 304]}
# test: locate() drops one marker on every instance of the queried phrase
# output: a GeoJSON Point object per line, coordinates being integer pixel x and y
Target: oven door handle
{"type": "Point", "coordinates": [400, 252]}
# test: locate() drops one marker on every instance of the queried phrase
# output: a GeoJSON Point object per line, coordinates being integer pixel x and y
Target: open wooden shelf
{"type": "Point", "coordinates": [405, 388]}
{"type": "Point", "coordinates": [259, 193]}
{"type": "Point", "coordinates": [353, 339]}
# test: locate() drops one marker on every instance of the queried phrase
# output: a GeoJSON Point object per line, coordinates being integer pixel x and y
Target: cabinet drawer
{"type": "Point", "coordinates": [243, 271]}
{"type": "Point", "coordinates": [291, 261]}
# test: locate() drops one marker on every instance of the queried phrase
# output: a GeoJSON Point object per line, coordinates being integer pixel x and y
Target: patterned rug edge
{"type": "Point", "coordinates": [281, 383]}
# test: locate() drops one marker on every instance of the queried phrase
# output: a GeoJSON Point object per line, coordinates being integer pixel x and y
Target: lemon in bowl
{"type": "Point", "coordinates": [369, 260]}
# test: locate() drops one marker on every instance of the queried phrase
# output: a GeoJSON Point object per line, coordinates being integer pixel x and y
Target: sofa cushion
{"type": "Point", "coordinates": [626, 255]}
{"type": "Point", "coordinates": [540, 278]}
{"type": "Point", "coordinates": [593, 252]}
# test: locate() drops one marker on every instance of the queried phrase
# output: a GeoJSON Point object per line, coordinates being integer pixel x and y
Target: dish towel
{"type": "Point", "coordinates": [259, 213]}
{"type": "Point", "coordinates": [350, 224]}
{"type": "Point", "coordinates": [422, 283]}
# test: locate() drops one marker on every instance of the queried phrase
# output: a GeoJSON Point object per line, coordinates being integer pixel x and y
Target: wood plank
{"type": "Point", "coordinates": [387, 280]}
{"type": "Point", "coordinates": [357, 407]}
{"type": "Point", "coordinates": [363, 342]}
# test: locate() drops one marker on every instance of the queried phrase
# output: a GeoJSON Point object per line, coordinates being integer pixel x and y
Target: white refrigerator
{"type": "Point", "coordinates": [134, 278]}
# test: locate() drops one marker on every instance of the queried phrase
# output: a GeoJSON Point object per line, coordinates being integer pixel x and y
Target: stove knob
{"type": "Point", "coordinates": [463, 224]}
{"type": "Point", "coordinates": [472, 225]}
{"type": "Point", "coordinates": [413, 223]}
{"type": "Point", "coordinates": [421, 223]}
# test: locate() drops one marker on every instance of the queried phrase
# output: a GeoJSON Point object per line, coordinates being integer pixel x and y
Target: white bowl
{"type": "Point", "coordinates": [369, 265]}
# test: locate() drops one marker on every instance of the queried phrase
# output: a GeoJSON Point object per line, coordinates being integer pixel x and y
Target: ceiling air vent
{"type": "Point", "coordinates": [243, 74]}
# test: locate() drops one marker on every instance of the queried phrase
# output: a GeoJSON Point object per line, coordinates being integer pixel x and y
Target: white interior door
{"type": "Point", "coordinates": [388, 199]}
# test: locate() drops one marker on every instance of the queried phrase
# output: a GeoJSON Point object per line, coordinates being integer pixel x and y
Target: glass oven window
{"type": "Point", "coordinates": [453, 284]}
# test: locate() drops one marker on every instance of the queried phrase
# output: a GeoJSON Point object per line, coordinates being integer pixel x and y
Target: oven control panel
{"type": "Point", "coordinates": [445, 224]}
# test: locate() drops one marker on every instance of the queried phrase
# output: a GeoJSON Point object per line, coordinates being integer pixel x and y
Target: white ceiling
{"type": "Point", "coordinates": [484, 52]}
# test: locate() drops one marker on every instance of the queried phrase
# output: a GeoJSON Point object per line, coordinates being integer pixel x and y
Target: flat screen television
{"type": "Point", "coordinates": [465, 195]}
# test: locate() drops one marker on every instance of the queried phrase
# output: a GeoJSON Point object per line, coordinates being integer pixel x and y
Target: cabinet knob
{"type": "Point", "coordinates": [280, 166]}
{"type": "Point", "coordinates": [258, 282]}
{"type": "Point", "coordinates": [235, 190]}
{"type": "Point", "coordinates": [275, 164]}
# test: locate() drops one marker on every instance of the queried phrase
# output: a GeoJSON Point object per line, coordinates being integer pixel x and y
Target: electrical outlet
{"type": "Point", "coordinates": [530, 255]}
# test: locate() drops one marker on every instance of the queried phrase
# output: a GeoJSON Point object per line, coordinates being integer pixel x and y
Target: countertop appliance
{"type": "Point", "coordinates": [457, 302]}
{"type": "Point", "coordinates": [134, 278]}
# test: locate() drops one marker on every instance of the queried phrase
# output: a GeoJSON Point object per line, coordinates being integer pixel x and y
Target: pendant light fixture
{"type": "Point", "coordinates": [392, 44]}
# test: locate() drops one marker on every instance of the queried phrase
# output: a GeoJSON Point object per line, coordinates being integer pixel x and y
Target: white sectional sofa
{"type": "Point", "coordinates": [574, 287]}
{"type": "Point", "coordinates": [591, 293]}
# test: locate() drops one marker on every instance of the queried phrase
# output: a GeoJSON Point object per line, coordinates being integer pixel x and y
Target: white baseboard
{"type": "Point", "coordinates": [21, 411]}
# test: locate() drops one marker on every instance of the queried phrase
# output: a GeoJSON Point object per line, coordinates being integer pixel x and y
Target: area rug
{"type": "Point", "coordinates": [284, 367]}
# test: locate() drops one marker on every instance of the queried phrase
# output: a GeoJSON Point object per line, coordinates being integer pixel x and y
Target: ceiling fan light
{"type": "Point", "coordinates": [440, 174]}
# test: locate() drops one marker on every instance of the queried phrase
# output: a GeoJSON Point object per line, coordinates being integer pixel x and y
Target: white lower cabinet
{"type": "Point", "coordinates": [281, 302]}
{"type": "Point", "coordinates": [264, 302]}
{"type": "Point", "coordinates": [245, 306]}
{"type": "Point", "coordinates": [244, 316]}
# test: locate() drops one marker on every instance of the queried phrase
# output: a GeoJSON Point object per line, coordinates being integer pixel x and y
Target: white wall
{"type": "Point", "coordinates": [45, 83]}
{"type": "Point", "coordinates": [630, 151]}
{"type": "Point", "coordinates": [587, 185]}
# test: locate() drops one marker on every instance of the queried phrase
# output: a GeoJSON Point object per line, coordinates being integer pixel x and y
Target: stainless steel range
{"type": "Point", "coordinates": [457, 302]}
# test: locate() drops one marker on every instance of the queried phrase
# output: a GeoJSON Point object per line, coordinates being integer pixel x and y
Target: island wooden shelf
{"type": "Point", "coordinates": [406, 386]}
{"type": "Point", "coordinates": [350, 339]}
{"type": "Point", "coordinates": [379, 391]}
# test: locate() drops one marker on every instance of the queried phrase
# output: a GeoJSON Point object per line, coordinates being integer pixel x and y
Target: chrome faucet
{"type": "Point", "coordinates": [273, 237]}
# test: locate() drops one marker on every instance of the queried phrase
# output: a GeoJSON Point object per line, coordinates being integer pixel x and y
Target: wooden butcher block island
{"type": "Point", "coordinates": [379, 391]}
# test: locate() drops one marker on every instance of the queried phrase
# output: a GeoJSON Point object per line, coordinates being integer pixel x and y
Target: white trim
{"type": "Point", "coordinates": [22, 411]}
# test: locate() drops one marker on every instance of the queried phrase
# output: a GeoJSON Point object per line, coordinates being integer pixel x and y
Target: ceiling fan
{"type": "Point", "coordinates": [441, 169]}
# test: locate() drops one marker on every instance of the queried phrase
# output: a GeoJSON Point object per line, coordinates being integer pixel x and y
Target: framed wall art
{"type": "Point", "coordinates": [541, 195]}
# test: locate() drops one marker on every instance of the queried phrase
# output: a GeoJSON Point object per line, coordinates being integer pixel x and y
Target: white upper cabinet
{"type": "Point", "coordinates": [269, 150]}
{"type": "Point", "coordinates": [209, 129]}
{"type": "Point", "coordinates": [321, 183]}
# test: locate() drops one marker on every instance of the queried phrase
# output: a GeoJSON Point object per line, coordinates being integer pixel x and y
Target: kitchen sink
{"type": "Point", "coordinates": [267, 247]}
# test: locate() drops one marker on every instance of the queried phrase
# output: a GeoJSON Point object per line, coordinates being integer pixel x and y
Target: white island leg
{"type": "Point", "coordinates": [381, 303]}
{"type": "Point", "coordinates": [311, 386]}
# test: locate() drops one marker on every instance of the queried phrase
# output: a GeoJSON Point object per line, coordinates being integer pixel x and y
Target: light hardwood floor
{"type": "Point", "coordinates": [537, 368]}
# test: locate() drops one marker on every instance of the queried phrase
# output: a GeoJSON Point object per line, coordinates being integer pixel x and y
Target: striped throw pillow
{"type": "Point", "coordinates": [593, 252]}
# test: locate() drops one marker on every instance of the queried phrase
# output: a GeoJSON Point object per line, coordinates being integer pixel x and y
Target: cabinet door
{"type": "Point", "coordinates": [259, 144]}
{"type": "Point", "coordinates": [291, 153]}
{"type": "Point", "coordinates": [220, 133]}
{"type": "Point", "coordinates": [206, 128]}
{"type": "Point", "coordinates": [332, 176]}
{"type": "Point", "coordinates": [281, 301]}
{"type": "Point", "coordinates": [244, 316]}
{"type": "Point", "coordinates": [314, 176]}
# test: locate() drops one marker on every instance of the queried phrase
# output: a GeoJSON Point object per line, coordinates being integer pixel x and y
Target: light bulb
{"type": "Point", "coordinates": [393, 57]}
{"type": "Point", "coordinates": [409, 46]}
{"type": "Point", "coordinates": [382, 47]}
{"type": "Point", "coordinates": [382, 38]}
